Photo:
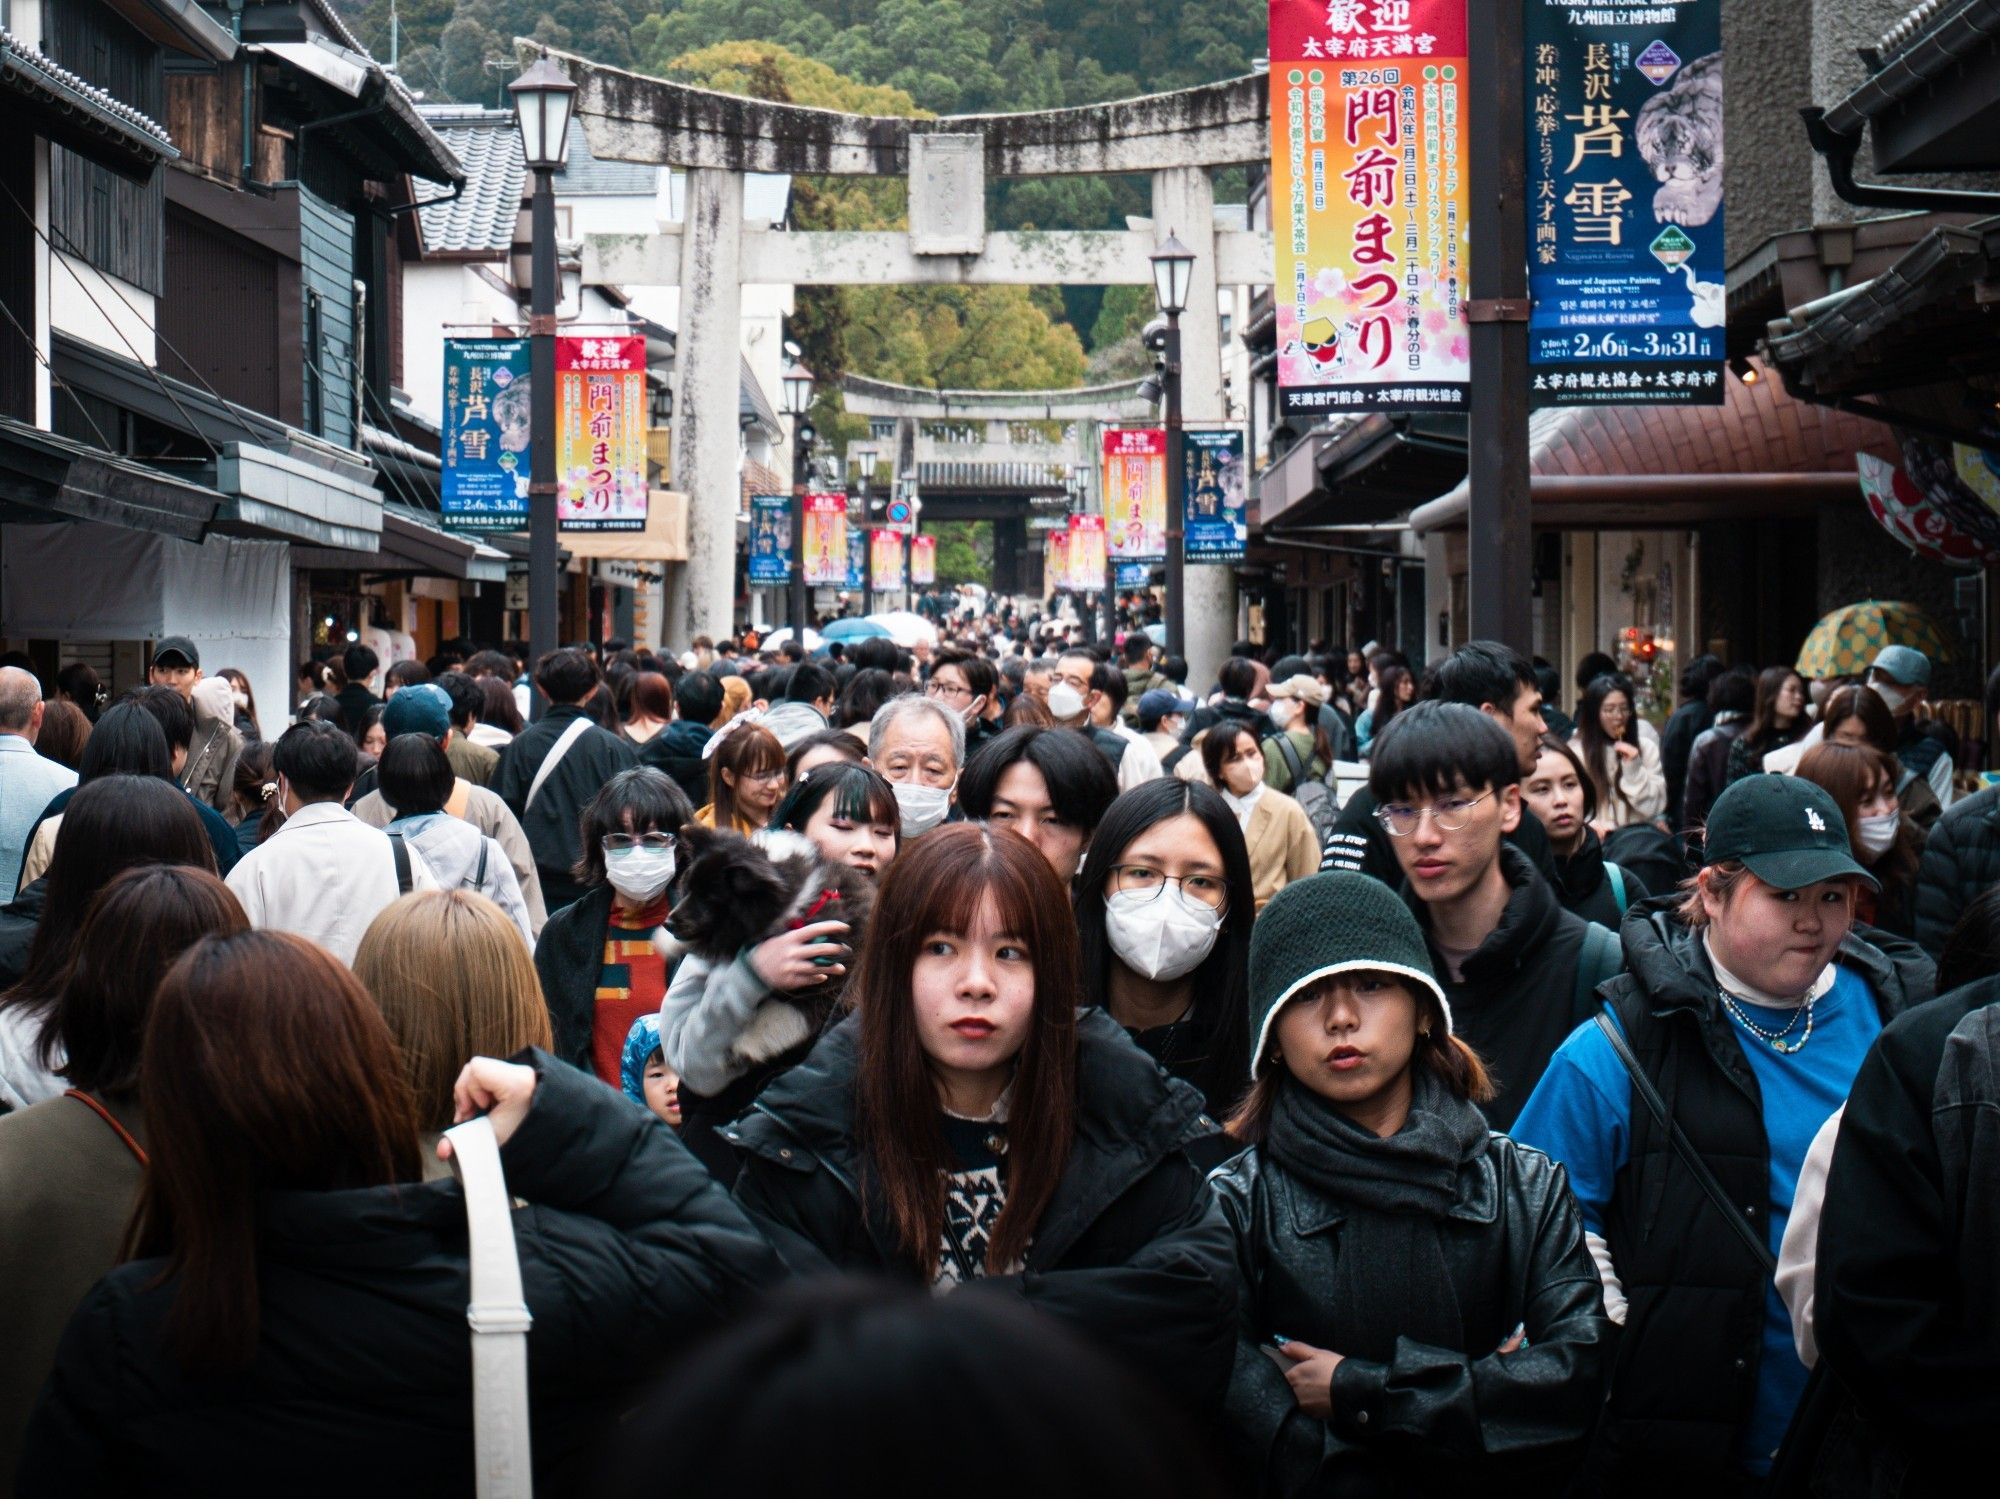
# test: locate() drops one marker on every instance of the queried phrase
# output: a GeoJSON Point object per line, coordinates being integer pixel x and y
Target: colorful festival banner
{"type": "Point", "coordinates": [485, 439]}
{"type": "Point", "coordinates": [857, 559]}
{"type": "Point", "coordinates": [1087, 562]}
{"type": "Point", "coordinates": [826, 540]}
{"type": "Point", "coordinates": [885, 552]}
{"type": "Point", "coordinates": [1214, 527]}
{"type": "Point", "coordinates": [1370, 204]}
{"type": "Point", "coordinates": [1055, 562]}
{"type": "Point", "coordinates": [770, 540]}
{"type": "Point", "coordinates": [1135, 492]}
{"type": "Point", "coordinates": [923, 561]}
{"type": "Point", "coordinates": [601, 433]}
{"type": "Point", "coordinates": [1625, 251]}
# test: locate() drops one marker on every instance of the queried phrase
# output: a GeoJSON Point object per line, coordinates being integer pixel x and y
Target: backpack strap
{"type": "Point", "coordinates": [1293, 765]}
{"type": "Point", "coordinates": [124, 1134]}
{"type": "Point", "coordinates": [405, 878]}
{"type": "Point", "coordinates": [479, 876]}
{"type": "Point", "coordinates": [1642, 1086]}
{"type": "Point", "coordinates": [1618, 891]}
{"type": "Point", "coordinates": [565, 742]}
{"type": "Point", "coordinates": [1599, 958]}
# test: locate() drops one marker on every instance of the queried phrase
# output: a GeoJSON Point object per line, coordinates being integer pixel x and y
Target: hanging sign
{"type": "Point", "coordinates": [1135, 492]}
{"type": "Point", "coordinates": [885, 553]}
{"type": "Point", "coordinates": [1055, 562]}
{"type": "Point", "coordinates": [923, 561]}
{"type": "Point", "coordinates": [1087, 561]}
{"type": "Point", "coordinates": [857, 559]}
{"type": "Point", "coordinates": [484, 444]}
{"type": "Point", "coordinates": [1214, 527]}
{"type": "Point", "coordinates": [601, 433]}
{"type": "Point", "coordinates": [770, 540]}
{"type": "Point", "coordinates": [1370, 204]}
{"type": "Point", "coordinates": [1625, 249]}
{"type": "Point", "coordinates": [826, 540]}
{"type": "Point", "coordinates": [1135, 575]}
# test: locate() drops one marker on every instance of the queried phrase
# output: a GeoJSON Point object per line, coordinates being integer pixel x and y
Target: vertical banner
{"type": "Point", "coordinates": [1625, 252]}
{"type": "Point", "coordinates": [770, 540]}
{"type": "Point", "coordinates": [1214, 527]}
{"type": "Point", "coordinates": [857, 559]}
{"type": "Point", "coordinates": [1088, 564]}
{"type": "Point", "coordinates": [923, 561]}
{"type": "Point", "coordinates": [601, 433]}
{"type": "Point", "coordinates": [1370, 203]}
{"type": "Point", "coordinates": [826, 540]}
{"type": "Point", "coordinates": [1055, 567]}
{"type": "Point", "coordinates": [485, 440]}
{"type": "Point", "coordinates": [885, 552]}
{"type": "Point", "coordinates": [1135, 492]}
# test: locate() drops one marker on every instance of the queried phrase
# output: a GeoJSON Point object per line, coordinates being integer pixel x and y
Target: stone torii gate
{"type": "Point", "coordinates": [1176, 138]}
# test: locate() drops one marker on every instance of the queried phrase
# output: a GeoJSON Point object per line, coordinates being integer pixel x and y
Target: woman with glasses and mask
{"type": "Point", "coordinates": [1622, 755]}
{"type": "Point", "coordinates": [598, 966]}
{"type": "Point", "coordinates": [1164, 904]}
{"type": "Point", "coordinates": [968, 685]}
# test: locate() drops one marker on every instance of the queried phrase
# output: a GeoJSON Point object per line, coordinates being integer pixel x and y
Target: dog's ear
{"type": "Point", "coordinates": [694, 840]}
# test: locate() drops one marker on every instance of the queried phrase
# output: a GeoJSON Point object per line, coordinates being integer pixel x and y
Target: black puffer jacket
{"type": "Point", "coordinates": [1418, 1418]}
{"type": "Point", "coordinates": [1132, 1249]}
{"type": "Point", "coordinates": [361, 1382]}
{"type": "Point", "coordinates": [676, 749]}
{"type": "Point", "coordinates": [1961, 862]}
{"type": "Point", "coordinates": [569, 960]}
{"type": "Point", "coordinates": [1584, 887]}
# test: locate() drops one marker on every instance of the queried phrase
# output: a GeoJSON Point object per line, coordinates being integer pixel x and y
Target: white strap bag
{"type": "Point", "coordinates": [498, 1316]}
{"type": "Point", "coordinates": [564, 743]}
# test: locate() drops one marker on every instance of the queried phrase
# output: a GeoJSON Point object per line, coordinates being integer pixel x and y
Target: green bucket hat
{"type": "Point", "coordinates": [1329, 924]}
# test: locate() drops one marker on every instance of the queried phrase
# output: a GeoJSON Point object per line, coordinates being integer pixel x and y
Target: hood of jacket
{"type": "Point", "coordinates": [1667, 960]}
{"type": "Point", "coordinates": [684, 738]}
{"type": "Point", "coordinates": [1530, 920]}
{"type": "Point", "coordinates": [1130, 1116]}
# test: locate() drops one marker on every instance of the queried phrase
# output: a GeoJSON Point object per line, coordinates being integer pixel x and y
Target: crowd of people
{"type": "Point", "coordinates": [1355, 1079]}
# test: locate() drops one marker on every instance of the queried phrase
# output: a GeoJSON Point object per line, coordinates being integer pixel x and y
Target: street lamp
{"type": "Point", "coordinates": [543, 98]}
{"type": "Point", "coordinates": [798, 385]}
{"type": "Point", "coordinates": [1173, 277]}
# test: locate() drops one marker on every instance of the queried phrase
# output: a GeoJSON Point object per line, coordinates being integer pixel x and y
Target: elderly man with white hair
{"type": "Point", "coordinates": [28, 781]}
{"type": "Point", "coordinates": [919, 748]}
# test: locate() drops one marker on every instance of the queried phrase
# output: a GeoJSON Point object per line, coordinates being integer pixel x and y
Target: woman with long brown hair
{"type": "Point", "coordinates": [296, 1301]}
{"type": "Point", "coordinates": [1862, 782]}
{"type": "Point", "coordinates": [746, 779]}
{"type": "Point", "coordinates": [1779, 719]}
{"type": "Point", "coordinates": [1419, 1311]}
{"type": "Point", "coordinates": [969, 1123]}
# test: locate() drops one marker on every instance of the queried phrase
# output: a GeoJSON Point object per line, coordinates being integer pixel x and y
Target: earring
{"type": "Point", "coordinates": [1423, 1033]}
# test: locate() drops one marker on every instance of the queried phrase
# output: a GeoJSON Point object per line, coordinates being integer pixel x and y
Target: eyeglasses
{"type": "Point", "coordinates": [765, 777]}
{"type": "Point", "coordinates": [935, 688]}
{"type": "Point", "coordinates": [1450, 815]}
{"type": "Point", "coordinates": [1209, 889]}
{"type": "Point", "coordinates": [1608, 711]}
{"type": "Point", "coordinates": [617, 843]}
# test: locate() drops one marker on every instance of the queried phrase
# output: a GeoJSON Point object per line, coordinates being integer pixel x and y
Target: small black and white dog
{"type": "Point", "coordinates": [738, 892]}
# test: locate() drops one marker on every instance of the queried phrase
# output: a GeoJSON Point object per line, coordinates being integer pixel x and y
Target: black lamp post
{"type": "Point", "coordinates": [1173, 275]}
{"type": "Point", "coordinates": [798, 383]}
{"type": "Point", "coordinates": [543, 99]}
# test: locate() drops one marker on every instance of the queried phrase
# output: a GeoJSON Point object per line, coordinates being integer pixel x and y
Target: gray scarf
{"type": "Point", "coordinates": [1414, 1170]}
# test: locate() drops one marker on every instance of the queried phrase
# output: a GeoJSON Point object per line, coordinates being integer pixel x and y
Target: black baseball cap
{"type": "Point", "coordinates": [1786, 830]}
{"type": "Point", "coordinates": [176, 645]}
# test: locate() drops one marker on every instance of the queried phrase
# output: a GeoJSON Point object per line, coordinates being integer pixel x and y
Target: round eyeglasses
{"type": "Point", "coordinates": [1128, 879]}
{"type": "Point", "coordinates": [1450, 814]}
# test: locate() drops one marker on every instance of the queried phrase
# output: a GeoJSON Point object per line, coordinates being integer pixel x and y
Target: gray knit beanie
{"type": "Point", "coordinates": [1327, 924]}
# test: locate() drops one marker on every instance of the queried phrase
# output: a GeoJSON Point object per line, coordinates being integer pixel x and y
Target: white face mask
{"type": "Point", "coordinates": [241, 699]}
{"type": "Point", "coordinates": [1064, 701]}
{"type": "Point", "coordinates": [1172, 727]}
{"type": "Point", "coordinates": [920, 807]}
{"type": "Point", "coordinates": [1891, 694]}
{"type": "Point", "coordinates": [1164, 934]}
{"type": "Point", "coordinates": [1284, 713]}
{"type": "Point", "coordinates": [640, 874]}
{"type": "Point", "coordinates": [1878, 834]}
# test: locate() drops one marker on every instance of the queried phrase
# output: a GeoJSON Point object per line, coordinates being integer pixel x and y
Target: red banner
{"type": "Point", "coordinates": [601, 433]}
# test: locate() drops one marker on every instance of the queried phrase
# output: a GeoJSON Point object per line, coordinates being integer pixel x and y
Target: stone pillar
{"type": "Point", "coordinates": [1184, 205]}
{"type": "Point", "coordinates": [707, 362]}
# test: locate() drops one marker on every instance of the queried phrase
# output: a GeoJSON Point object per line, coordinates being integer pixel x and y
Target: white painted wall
{"type": "Point", "coordinates": [103, 310]}
{"type": "Point", "coordinates": [437, 294]}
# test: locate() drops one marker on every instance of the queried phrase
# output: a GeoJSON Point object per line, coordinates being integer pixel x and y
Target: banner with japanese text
{"type": "Point", "coordinates": [857, 559]}
{"type": "Point", "coordinates": [1135, 492]}
{"type": "Point", "coordinates": [1370, 204]}
{"type": "Point", "coordinates": [885, 551]}
{"type": "Point", "coordinates": [923, 561]}
{"type": "Point", "coordinates": [1135, 575]}
{"type": "Point", "coordinates": [1087, 562]}
{"type": "Point", "coordinates": [770, 540]}
{"type": "Point", "coordinates": [484, 445]}
{"type": "Point", "coordinates": [1214, 526]}
{"type": "Point", "coordinates": [601, 433]}
{"type": "Point", "coordinates": [1625, 242]}
{"type": "Point", "coordinates": [826, 540]}
{"type": "Point", "coordinates": [1055, 561]}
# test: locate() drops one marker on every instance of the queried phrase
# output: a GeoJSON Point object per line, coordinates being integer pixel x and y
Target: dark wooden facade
{"type": "Point", "coordinates": [108, 220]}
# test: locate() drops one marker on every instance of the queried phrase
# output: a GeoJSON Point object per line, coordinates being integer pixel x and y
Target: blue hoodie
{"type": "Point", "coordinates": [642, 1044]}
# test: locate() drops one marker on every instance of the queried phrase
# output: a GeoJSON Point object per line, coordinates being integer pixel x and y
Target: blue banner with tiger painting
{"type": "Point", "coordinates": [1625, 246]}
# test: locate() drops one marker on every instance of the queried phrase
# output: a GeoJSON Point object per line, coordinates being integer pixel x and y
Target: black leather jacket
{"type": "Point", "coordinates": [1425, 1417]}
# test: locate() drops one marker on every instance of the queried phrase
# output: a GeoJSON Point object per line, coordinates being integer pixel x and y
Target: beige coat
{"type": "Point", "coordinates": [67, 1185]}
{"type": "Point", "coordinates": [1283, 846]}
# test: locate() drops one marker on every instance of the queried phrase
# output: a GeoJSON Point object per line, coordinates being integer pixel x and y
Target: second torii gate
{"type": "Point", "coordinates": [1176, 138]}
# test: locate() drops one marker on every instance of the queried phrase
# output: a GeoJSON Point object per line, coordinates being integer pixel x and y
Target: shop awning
{"type": "Point", "coordinates": [413, 542]}
{"type": "Point", "coordinates": [665, 538]}
{"type": "Point", "coordinates": [44, 478]}
{"type": "Point", "coordinates": [1370, 468]}
{"type": "Point", "coordinates": [1761, 455]}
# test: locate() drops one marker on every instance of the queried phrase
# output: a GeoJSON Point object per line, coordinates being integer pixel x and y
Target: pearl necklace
{"type": "Point", "coordinates": [1775, 1039]}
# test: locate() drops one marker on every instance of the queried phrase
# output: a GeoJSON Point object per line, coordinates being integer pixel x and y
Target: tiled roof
{"type": "Point", "coordinates": [31, 71]}
{"type": "Point", "coordinates": [482, 218]}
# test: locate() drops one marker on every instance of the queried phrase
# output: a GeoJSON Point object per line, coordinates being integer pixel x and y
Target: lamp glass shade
{"type": "Point", "coordinates": [543, 99]}
{"type": "Point", "coordinates": [798, 382]}
{"type": "Point", "coordinates": [1173, 275]}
